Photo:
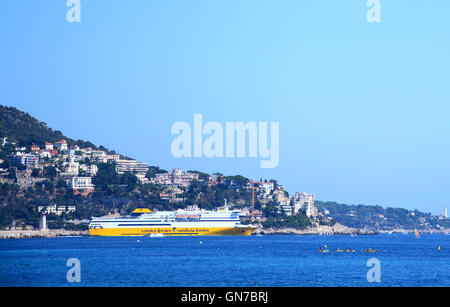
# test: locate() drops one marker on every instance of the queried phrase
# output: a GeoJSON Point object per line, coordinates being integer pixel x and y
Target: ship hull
{"type": "Point", "coordinates": [172, 231]}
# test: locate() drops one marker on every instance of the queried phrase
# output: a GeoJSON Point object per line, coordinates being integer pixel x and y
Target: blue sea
{"type": "Point", "coordinates": [226, 261]}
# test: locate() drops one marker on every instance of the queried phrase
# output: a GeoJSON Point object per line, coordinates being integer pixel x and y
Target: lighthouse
{"type": "Point", "coordinates": [43, 225]}
{"type": "Point", "coordinates": [445, 212]}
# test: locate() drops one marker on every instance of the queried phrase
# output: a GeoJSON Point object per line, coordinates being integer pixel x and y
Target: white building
{"type": "Point", "coordinates": [89, 169]}
{"type": "Point", "coordinates": [286, 207]}
{"type": "Point", "coordinates": [81, 185]}
{"type": "Point", "coordinates": [304, 201]}
{"type": "Point", "coordinates": [61, 145]}
{"type": "Point", "coordinates": [29, 160]}
{"type": "Point", "coordinates": [142, 179]}
{"type": "Point", "coordinates": [48, 146]}
{"type": "Point", "coordinates": [265, 187]}
{"type": "Point", "coordinates": [176, 177]}
{"type": "Point", "coordinates": [99, 155]}
{"type": "Point", "coordinates": [114, 157]}
{"type": "Point", "coordinates": [73, 167]}
{"type": "Point", "coordinates": [133, 166]}
{"type": "Point", "coordinates": [45, 154]}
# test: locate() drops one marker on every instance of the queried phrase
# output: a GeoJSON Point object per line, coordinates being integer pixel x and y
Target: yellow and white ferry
{"type": "Point", "coordinates": [182, 222]}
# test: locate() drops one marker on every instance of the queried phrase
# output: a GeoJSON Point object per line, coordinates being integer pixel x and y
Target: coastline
{"type": "Point", "coordinates": [50, 233]}
{"type": "Point", "coordinates": [321, 230]}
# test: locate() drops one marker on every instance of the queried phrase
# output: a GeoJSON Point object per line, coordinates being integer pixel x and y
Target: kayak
{"type": "Point", "coordinates": [371, 250]}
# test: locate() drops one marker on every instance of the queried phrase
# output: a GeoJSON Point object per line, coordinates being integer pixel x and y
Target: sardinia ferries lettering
{"type": "Point", "coordinates": [229, 142]}
{"type": "Point", "coordinates": [176, 230]}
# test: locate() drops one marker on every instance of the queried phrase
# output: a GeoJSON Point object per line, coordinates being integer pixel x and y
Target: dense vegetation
{"type": "Point", "coordinates": [377, 217]}
{"type": "Point", "coordinates": [276, 220]}
{"type": "Point", "coordinates": [25, 130]}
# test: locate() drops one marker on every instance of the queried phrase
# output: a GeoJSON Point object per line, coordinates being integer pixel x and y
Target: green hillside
{"type": "Point", "coordinates": [24, 130]}
{"type": "Point", "coordinates": [379, 218]}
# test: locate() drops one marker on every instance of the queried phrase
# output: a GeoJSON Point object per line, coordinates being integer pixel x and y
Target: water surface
{"type": "Point", "coordinates": [226, 261]}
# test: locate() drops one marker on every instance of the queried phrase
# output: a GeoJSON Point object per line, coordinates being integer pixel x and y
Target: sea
{"type": "Point", "coordinates": [227, 261]}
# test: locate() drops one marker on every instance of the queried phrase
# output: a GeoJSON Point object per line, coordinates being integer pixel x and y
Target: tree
{"type": "Point", "coordinates": [5, 164]}
{"type": "Point", "coordinates": [105, 176]}
{"type": "Point", "coordinates": [201, 176]}
{"type": "Point", "coordinates": [153, 170]}
{"type": "Point", "coordinates": [130, 180]}
{"type": "Point", "coordinates": [35, 173]}
{"type": "Point", "coordinates": [50, 172]}
{"type": "Point", "coordinates": [270, 210]}
{"type": "Point", "coordinates": [21, 167]}
{"type": "Point", "coordinates": [11, 173]}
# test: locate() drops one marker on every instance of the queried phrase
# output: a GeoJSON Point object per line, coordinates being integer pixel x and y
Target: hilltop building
{"type": "Point", "coordinates": [176, 177]}
{"type": "Point", "coordinates": [25, 180]}
{"type": "Point", "coordinates": [48, 146]}
{"type": "Point", "coordinates": [264, 187]}
{"type": "Point", "coordinates": [72, 167]}
{"type": "Point", "coordinates": [80, 185]}
{"type": "Point", "coordinates": [29, 160]}
{"type": "Point", "coordinates": [89, 169]}
{"type": "Point", "coordinates": [304, 201]}
{"type": "Point", "coordinates": [61, 145]}
{"type": "Point", "coordinates": [132, 166]}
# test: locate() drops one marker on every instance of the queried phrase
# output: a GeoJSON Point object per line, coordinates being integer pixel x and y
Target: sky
{"type": "Point", "coordinates": [363, 107]}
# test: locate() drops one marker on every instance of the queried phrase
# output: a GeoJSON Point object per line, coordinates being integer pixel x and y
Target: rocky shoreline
{"type": "Point", "coordinates": [319, 230]}
{"type": "Point", "coordinates": [51, 233]}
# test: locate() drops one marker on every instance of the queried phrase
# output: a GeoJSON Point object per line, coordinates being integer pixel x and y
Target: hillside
{"type": "Point", "coordinates": [379, 218]}
{"type": "Point", "coordinates": [25, 130]}
{"type": "Point", "coordinates": [113, 191]}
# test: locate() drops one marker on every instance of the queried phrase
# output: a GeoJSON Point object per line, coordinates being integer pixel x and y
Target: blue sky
{"type": "Point", "coordinates": [363, 107]}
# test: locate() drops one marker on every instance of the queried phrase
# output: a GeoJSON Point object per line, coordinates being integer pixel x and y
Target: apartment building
{"type": "Point", "coordinates": [133, 166]}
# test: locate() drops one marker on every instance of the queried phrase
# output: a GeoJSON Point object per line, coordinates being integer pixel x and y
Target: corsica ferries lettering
{"type": "Point", "coordinates": [189, 222]}
{"type": "Point", "coordinates": [176, 230]}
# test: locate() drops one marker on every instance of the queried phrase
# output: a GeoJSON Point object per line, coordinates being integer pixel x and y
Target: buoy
{"type": "Point", "coordinates": [201, 242]}
{"type": "Point", "coordinates": [439, 248]}
{"type": "Point", "coordinates": [138, 241]}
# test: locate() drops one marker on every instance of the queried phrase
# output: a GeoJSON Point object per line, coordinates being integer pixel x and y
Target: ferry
{"type": "Point", "coordinates": [182, 222]}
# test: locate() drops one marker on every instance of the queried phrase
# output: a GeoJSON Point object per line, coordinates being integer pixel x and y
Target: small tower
{"type": "Point", "coordinates": [445, 212]}
{"type": "Point", "coordinates": [43, 225]}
